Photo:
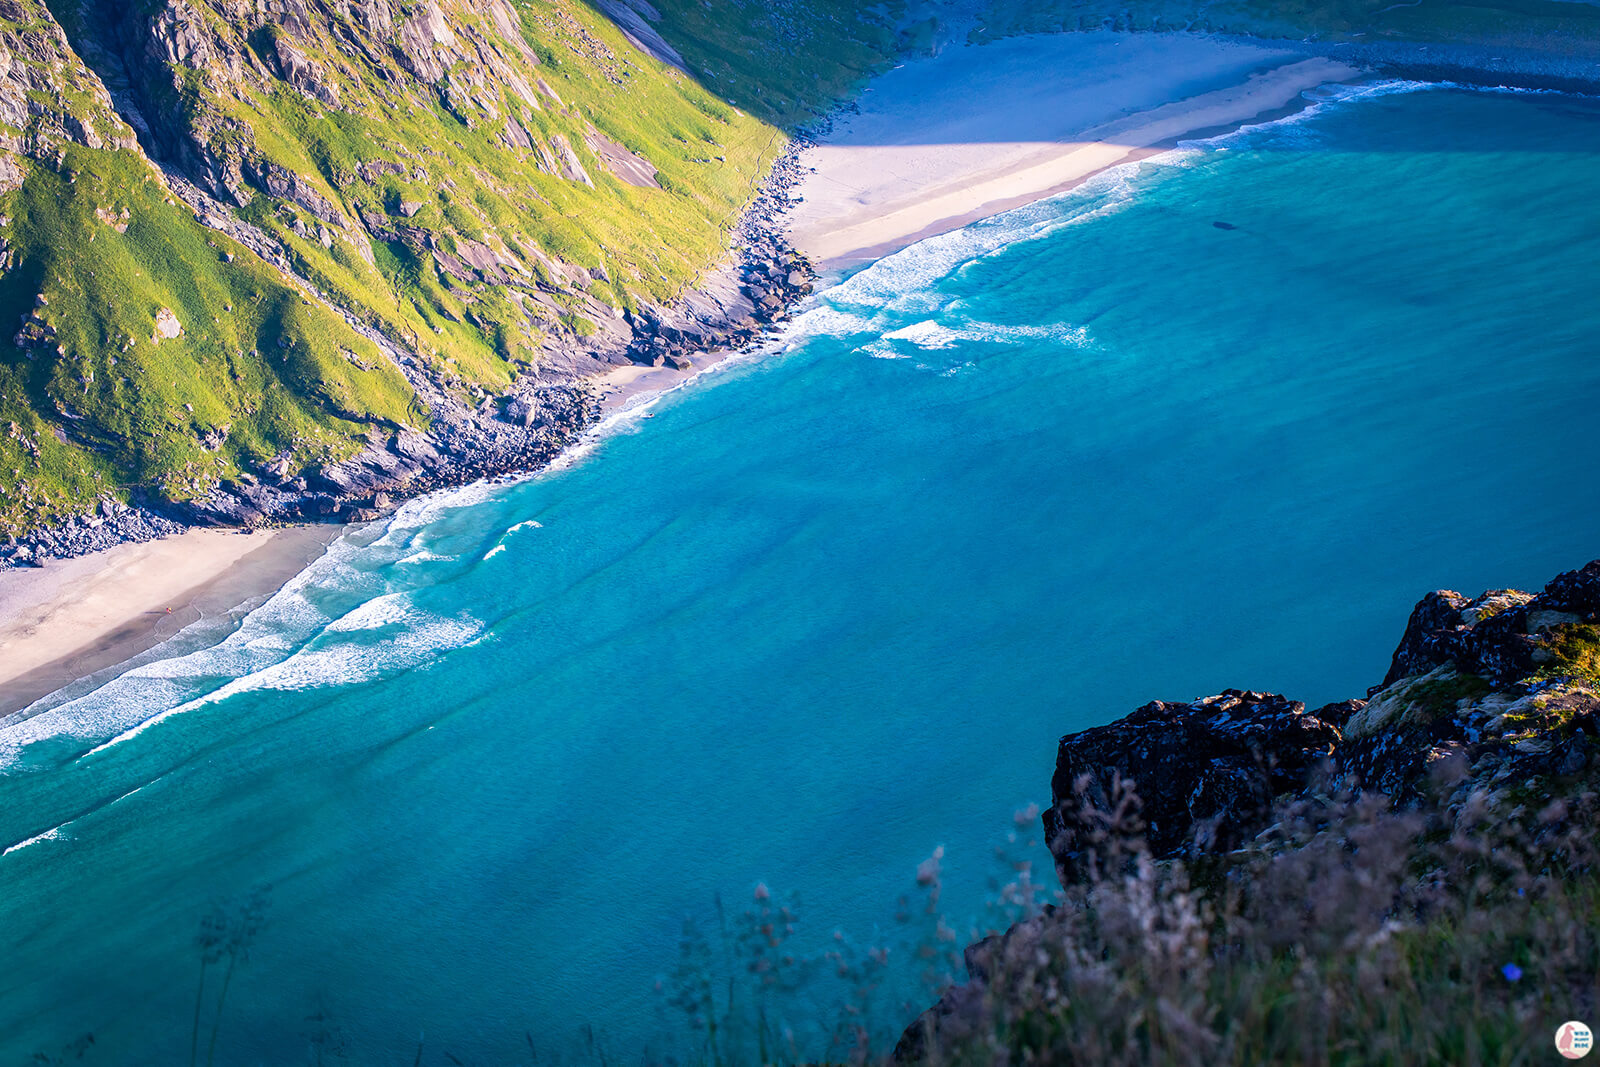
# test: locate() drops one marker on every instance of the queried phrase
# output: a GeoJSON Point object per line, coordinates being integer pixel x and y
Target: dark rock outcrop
{"type": "Point", "coordinates": [1496, 697]}
{"type": "Point", "coordinates": [1576, 591]}
{"type": "Point", "coordinates": [1503, 685]}
{"type": "Point", "coordinates": [1435, 616]}
{"type": "Point", "coordinates": [1212, 766]}
{"type": "Point", "coordinates": [1487, 636]}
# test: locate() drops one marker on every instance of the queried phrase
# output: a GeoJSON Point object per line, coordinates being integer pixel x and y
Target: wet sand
{"type": "Point", "coordinates": [71, 618]}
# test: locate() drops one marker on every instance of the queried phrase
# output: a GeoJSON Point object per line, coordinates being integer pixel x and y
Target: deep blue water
{"type": "Point", "coordinates": [832, 608]}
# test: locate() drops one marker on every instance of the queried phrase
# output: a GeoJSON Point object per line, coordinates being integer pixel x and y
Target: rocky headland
{"type": "Point", "coordinates": [1489, 712]}
{"type": "Point", "coordinates": [299, 261]}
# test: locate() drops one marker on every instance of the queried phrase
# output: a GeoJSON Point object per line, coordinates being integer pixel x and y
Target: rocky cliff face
{"type": "Point", "coordinates": [1491, 703]}
{"type": "Point", "coordinates": [1504, 688]}
{"type": "Point", "coordinates": [284, 258]}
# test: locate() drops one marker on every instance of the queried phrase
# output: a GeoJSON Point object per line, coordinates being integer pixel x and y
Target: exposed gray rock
{"type": "Point", "coordinates": [633, 18]}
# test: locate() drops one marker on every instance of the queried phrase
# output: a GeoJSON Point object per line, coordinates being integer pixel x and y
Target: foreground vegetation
{"type": "Point", "coordinates": [1349, 934]}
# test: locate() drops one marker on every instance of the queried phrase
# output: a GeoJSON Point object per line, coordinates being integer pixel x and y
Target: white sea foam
{"type": "Point", "coordinates": [418, 513]}
{"type": "Point", "coordinates": [875, 304]}
{"type": "Point", "coordinates": [1326, 98]}
{"type": "Point", "coordinates": [424, 556]}
{"type": "Point", "coordinates": [927, 334]}
{"type": "Point", "coordinates": [493, 552]}
{"type": "Point", "coordinates": [55, 834]}
{"type": "Point", "coordinates": [391, 609]}
{"type": "Point", "coordinates": [1064, 334]}
{"type": "Point", "coordinates": [290, 642]}
{"type": "Point", "coordinates": [419, 636]}
{"type": "Point", "coordinates": [934, 336]}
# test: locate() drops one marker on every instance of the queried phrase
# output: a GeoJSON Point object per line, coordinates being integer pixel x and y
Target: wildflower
{"type": "Point", "coordinates": [1512, 972]}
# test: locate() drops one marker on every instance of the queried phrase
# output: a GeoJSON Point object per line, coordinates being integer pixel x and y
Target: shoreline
{"type": "Point", "coordinates": [100, 607]}
{"type": "Point", "coordinates": [74, 618]}
{"type": "Point", "coordinates": [944, 141]}
{"type": "Point", "coordinates": [846, 223]}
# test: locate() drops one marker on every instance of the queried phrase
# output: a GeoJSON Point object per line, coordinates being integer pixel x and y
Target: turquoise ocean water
{"type": "Point", "coordinates": [833, 607]}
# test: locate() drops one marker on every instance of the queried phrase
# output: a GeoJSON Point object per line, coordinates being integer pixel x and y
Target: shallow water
{"type": "Point", "coordinates": [832, 608]}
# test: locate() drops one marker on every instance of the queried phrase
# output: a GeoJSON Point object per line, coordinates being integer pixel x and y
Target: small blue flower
{"type": "Point", "coordinates": [1512, 972]}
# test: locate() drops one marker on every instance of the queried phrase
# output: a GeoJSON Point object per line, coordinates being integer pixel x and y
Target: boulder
{"type": "Point", "coordinates": [1575, 591]}
{"type": "Point", "coordinates": [167, 325]}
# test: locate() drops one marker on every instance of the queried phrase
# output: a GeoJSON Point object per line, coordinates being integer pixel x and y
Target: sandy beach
{"type": "Point", "coordinates": [71, 618]}
{"type": "Point", "coordinates": [944, 141]}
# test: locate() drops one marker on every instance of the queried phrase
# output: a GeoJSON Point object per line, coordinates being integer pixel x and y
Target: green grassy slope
{"type": "Point", "coordinates": [93, 401]}
{"type": "Point", "coordinates": [482, 183]}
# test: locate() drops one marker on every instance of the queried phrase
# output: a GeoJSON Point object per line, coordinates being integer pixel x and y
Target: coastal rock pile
{"type": "Point", "coordinates": [1492, 700]}
{"type": "Point", "coordinates": [470, 446]}
{"type": "Point", "coordinates": [734, 305]}
{"type": "Point", "coordinates": [112, 523]}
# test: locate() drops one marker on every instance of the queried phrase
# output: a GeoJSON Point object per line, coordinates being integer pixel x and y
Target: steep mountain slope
{"type": "Point", "coordinates": [139, 351]}
{"type": "Point", "coordinates": [251, 239]}
{"type": "Point", "coordinates": [781, 60]}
